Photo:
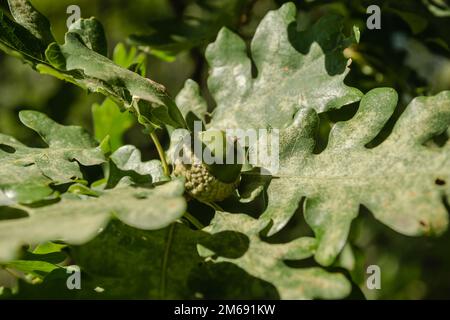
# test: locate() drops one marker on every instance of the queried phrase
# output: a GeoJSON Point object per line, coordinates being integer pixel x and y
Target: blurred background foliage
{"type": "Point", "coordinates": [411, 53]}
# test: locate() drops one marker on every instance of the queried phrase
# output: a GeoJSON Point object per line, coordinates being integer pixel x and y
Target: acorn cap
{"type": "Point", "coordinates": [221, 148]}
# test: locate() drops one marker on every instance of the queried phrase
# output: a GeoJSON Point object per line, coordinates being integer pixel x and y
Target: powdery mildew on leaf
{"type": "Point", "coordinates": [126, 162]}
{"type": "Point", "coordinates": [295, 70]}
{"type": "Point", "coordinates": [26, 173]}
{"type": "Point", "coordinates": [82, 60]}
{"type": "Point", "coordinates": [266, 261]}
{"type": "Point", "coordinates": [401, 181]}
{"type": "Point", "coordinates": [76, 220]}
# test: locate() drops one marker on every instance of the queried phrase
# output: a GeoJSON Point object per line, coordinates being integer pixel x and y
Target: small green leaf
{"type": "Point", "coordinates": [48, 247]}
{"type": "Point", "coordinates": [35, 268]}
{"type": "Point", "coordinates": [110, 121]}
{"type": "Point", "coordinates": [55, 57]}
{"type": "Point", "coordinates": [43, 260]}
{"type": "Point", "coordinates": [126, 162]}
{"type": "Point", "coordinates": [130, 58]}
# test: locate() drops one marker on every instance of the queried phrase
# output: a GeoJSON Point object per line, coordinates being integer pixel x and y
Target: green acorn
{"type": "Point", "coordinates": [208, 176]}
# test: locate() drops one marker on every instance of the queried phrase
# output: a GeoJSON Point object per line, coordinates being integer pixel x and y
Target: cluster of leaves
{"type": "Point", "coordinates": [130, 231]}
{"type": "Point", "coordinates": [412, 32]}
{"type": "Point", "coordinates": [199, 23]}
{"type": "Point", "coordinates": [82, 61]}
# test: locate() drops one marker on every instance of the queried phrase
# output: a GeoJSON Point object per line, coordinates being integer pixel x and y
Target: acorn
{"type": "Point", "coordinates": [211, 165]}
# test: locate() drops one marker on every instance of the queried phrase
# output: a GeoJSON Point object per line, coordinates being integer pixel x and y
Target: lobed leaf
{"type": "Point", "coordinates": [126, 162]}
{"type": "Point", "coordinates": [82, 60]}
{"type": "Point", "coordinates": [26, 174]}
{"type": "Point", "coordinates": [402, 181]}
{"type": "Point", "coordinates": [76, 220]}
{"type": "Point", "coordinates": [295, 70]}
{"type": "Point", "coordinates": [267, 261]}
{"type": "Point", "coordinates": [166, 265]}
{"type": "Point", "coordinates": [148, 99]}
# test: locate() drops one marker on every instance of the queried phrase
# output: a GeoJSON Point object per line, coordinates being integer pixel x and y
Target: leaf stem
{"type": "Point", "coordinates": [14, 273]}
{"type": "Point", "coordinates": [161, 153]}
{"type": "Point", "coordinates": [193, 220]}
{"type": "Point", "coordinates": [166, 260]}
{"type": "Point", "coordinates": [214, 205]}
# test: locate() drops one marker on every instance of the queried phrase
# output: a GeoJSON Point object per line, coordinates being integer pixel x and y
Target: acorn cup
{"type": "Point", "coordinates": [211, 165]}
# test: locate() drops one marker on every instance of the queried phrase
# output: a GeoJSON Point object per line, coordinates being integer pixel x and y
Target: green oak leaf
{"type": "Point", "coordinates": [126, 162]}
{"type": "Point", "coordinates": [28, 36]}
{"type": "Point", "coordinates": [110, 123]}
{"type": "Point", "coordinates": [28, 17]}
{"type": "Point", "coordinates": [401, 181]}
{"type": "Point", "coordinates": [191, 104]}
{"type": "Point", "coordinates": [266, 261]}
{"type": "Point", "coordinates": [130, 59]}
{"type": "Point", "coordinates": [27, 173]}
{"type": "Point", "coordinates": [295, 70]}
{"type": "Point", "coordinates": [39, 262]}
{"type": "Point", "coordinates": [34, 268]}
{"type": "Point", "coordinates": [144, 97]}
{"type": "Point", "coordinates": [92, 34]}
{"type": "Point", "coordinates": [78, 219]}
{"type": "Point", "coordinates": [17, 41]}
{"type": "Point", "coordinates": [108, 119]}
{"type": "Point", "coordinates": [166, 265]}
{"type": "Point", "coordinates": [162, 261]}
{"type": "Point", "coordinates": [82, 61]}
